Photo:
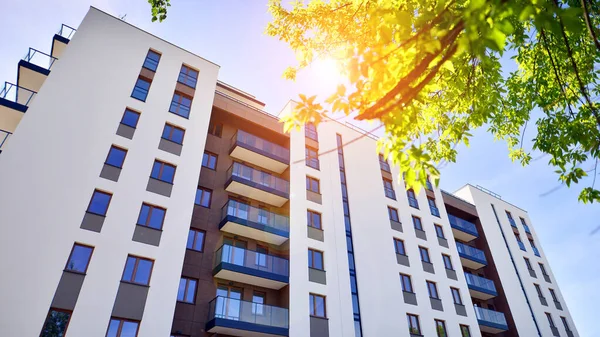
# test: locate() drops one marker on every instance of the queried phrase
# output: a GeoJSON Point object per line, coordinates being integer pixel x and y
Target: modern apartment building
{"type": "Point", "coordinates": [140, 196]}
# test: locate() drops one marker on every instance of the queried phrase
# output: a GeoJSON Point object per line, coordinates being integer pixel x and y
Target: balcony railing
{"type": "Point", "coordinates": [228, 308]}
{"type": "Point", "coordinates": [496, 318]}
{"type": "Point", "coordinates": [470, 252]}
{"type": "Point", "coordinates": [384, 166]}
{"type": "Point", "coordinates": [535, 251]}
{"type": "Point", "coordinates": [521, 245]}
{"type": "Point", "coordinates": [17, 94]}
{"type": "Point", "coordinates": [66, 31]}
{"type": "Point", "coordinates": [254, 176]}
{"type": "Point", "coordinates": [252, 260]}
{"type": "Point", "coordinates": [390, 193]}
{"type": "Point", "coordinates": [526, 229]}
{"type": "Point", "coordinates": [481, 283]}
{"type": "Point", "coordinates": [464, 225]}
{"type": "Point", "coordinates": [434, 211]}
{"type": "Point", "coordinates": [512, 222]}
{"type": "Point", "coordinates": [246, 212]}
{"type": "Point", "coordinates": [39, 58]}
{"type": "Point", "coordinates": [271, 149]}
{"type": "Point", "coordinates": [413, 202]}
{"type": "Point", "coordinates": [4, 135]}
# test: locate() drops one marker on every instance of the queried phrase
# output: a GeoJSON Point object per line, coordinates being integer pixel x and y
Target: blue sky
{"type": "Point", "coordinates": [230, 33]}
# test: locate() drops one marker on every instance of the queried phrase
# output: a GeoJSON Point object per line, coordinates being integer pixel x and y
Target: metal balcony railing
{"type": "Point", "coordinates": [491, 316]}
{"type": "Point", "coordinates": [471, 252]}
{"type": "Point", "coordinates": [250, 140]}
{"type": "Point", "coordinates": [521, 245]}
{"type": "Point", "coordinates": [248, 312]}
{"type": "Point", "coordinates": [246, 212]}
{"type": "Point", "coordinates": [258, 177]}
{"type": "Point", "coordinates": [4, 136]}
{"type": "Point", "coordinates": [39, 58]}
{"type": "Point", "coordinates": [251, 259]}
{"type": "Point", "coordinates": [17, 94]}
{"type": "Point", "coordinates": [480, 282]}
{"type": "Point", "coordinates": [464, 225]}
{"type": "Point", "coordinates": [66, 31]}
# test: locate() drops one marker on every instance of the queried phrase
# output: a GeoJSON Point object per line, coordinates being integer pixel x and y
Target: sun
{"type": "Point", "coordinates": [328, 70]}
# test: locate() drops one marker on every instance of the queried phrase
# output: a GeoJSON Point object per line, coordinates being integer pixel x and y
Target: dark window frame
{"type": "Point", "coordinates": [446, 257]}
{"type": "Point", "coordinates": [160, 171]}
{"type": "Point", "coordinates": [416, 330]}
{"type": "Point", "coordinates": [149, 216]}
{"type": "Point", "coordinates": [139, 89]}
{"type": "Point", "coordinates": [204, 190]}
{"type": "Point", "coordinates": [151, 60]}
{"type": "Point", "coordinates": [403, 284]}
{"type": "Point", "coordinates": [53, 309]}
{"type": "Point", "coordinates": [121, 321]}
{"type": "Point", "coordinates": [195, 240]}
{"type": "Point", "coordinates": [437, 232]}
{"type": "Point", "coordinates": [391, 211]}
{"type": "Point", "coordinates": [210, 155]}
{"type": "Point", "coordinates": [464, 328]}
{"type": "Point", "coordinates": [310, 131]}
{"type": "Point", "coordinates": [173, 127]}
{"type": "Point", "coordinates": [186, 75]}
{"type": "Point", "coordinates": [426, 250]}
{"type": "Point", "coordinates": [416, 219]}
{"type": "Point", "coordinates": [87, 264]}
{"type": "Point", "coordinates": [310, 159]}
{"type": "Point", "coordinates": [313, 305]}
{"type": "Point", "coordinates": [134, 271]}
{"type": "Point", "coordinates": [310, 213]}
{"type": "Point", "coordinates": [431, 284]}
{"type": "Point", "coordinates": [215, 129]}
{"type": "Point", "coordinates": [309, 184]}
{"type": "Point", "coordinates": [442, 323]}
{"type": "Point", "coordinates": [176, 109]}
{"type": "Point", "coordinates": [110, 195]}
{"type": "Point", "coordinates": [456, 291]}
{"type": "Point", "coordinates": [399, 243]}
{"type": "Point", "coordinates": [311, 262]}
{"type": "Point", "coordinates": [118, 148]}
{"type": "Point", "coordinates": [185, 291]}
{"type": "Point", "coordinates": [129, 110]}
{"type": "Point", "coordinates": [550, 320]}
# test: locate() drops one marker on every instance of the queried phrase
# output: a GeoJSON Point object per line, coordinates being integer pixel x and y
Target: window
{"type": "Point", "coordinates": [383, 164]}
{"type": "Point", "coordinates": [79, 259]}
{"type": "Point", "coordinates": [181, 105]}
{"type": "Point", "coordinates": [406, 283]}
{"type": "Point", "coordinates": [188, 76]}
{"type": "Point", "coordinates": [393, 213]}
{"type": "Point", "coordinates": [310, 131]}
{"type": "Point", "coordinates": [312, 184]}
{"type": "Point", "coordinates": [417, 223]}
{"type": "Point", "coordinates": [440, 328]}
{"type": "Point", "coordinates": [187, 290]}
{"type": "Point", "coordinates": [151, 216]}
{"type": "Point", "coordinates": [173, 133]}
{"type": "Point", "coordinates": [543, 269]}
{"type": "Point", "coordinates": [195, 240]}
{"type": "Point", "coordinates": [413, 324]}
{"type": "Point", "coordinates": [550, 320]}
{"type": "Point", "coordinates": [314, 219]}
{"type": "Point", "coordinates": [528, 264]}
{"type": "Point", "coordinates": [424, 254]}
{"type": "Point", "coordinates": [140, 90]}
{"type": "Point", "coordinates": [464, 331]}
{"type": "Point", "coordinates": [439, 231]}
{"type": "Point", "coordinates": [538, 290]}
{"type": "Point", "coordinates": [412, 199]}
{"type": "Point", "coordinates": [432, 289]}
{"type": "Point", "coordinates": [116, 156]}
{"type": "Point", "coordinates": [203, 197]}
{"type": "Point", "coordinates": [258, 303]}
{"type": "Point", "coordinates": [433, 208]}
{"type": "Point", "coordinates": [56, 323]}
{"type": "Point", "coordinates": [137, 270]}
{"type": "Point", "coordinates": [388, 187]}
{"type": "Point", "coordinates": [399, 246]}
{"type": "Point", "coordinates": [447, 261]}
{"type": "Point", "coordinates": [428, 184]}
{"type": "Point", "coordinates": [215, 129]}
{"type": "Point", "coordinates": [565, 323]}
{"type": "Point", "coordinates": [130, 118]}
{"type": "Point", "coordinates": [209, 160]}
{"type": "Point", "coordinates": [317, 305]}
{"type": "Point", "coordinates": [119, 327]}
{"type": "Point", "coordinates": [315, 259]}
{"type": "Point", "coordinates": [456, 296]}
{"type": "Point", "coordinates": [99, 203]}
{"type": "Point", "coordinates": [163, 171]}
{"type": "Point", "coordinates": [312, 158]}
{"type": "Point", "coordinates": [151, 61]}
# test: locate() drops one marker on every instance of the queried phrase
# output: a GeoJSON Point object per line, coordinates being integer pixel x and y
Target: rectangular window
{"type": "Point", "coordinates": [99, 203]}
{"type": "Point", "coordinates": [187, 290]}
{"type": "Point", "coordinates": [209, 160]}
{"type": "Point", "coordinates": [195, 240]}
{"type": "Point", "coordinates": [464, 331]}
{"type": "Point", "coordinates": [543, 269]}
{"type": "Point", "coordinates": [215, 129]}
{"type": "Point", "coordinates": [188, 76]}
{"type": "Point", "coordinates": [406, 283]}
{"type": "Point", "coordinates": [393, 213]}
{"type": "Point", "coordinates": [433, 207]}
{"type": "Point", "coordinates": [312, 184]}
{"type": "Point", "coordinates": [181, 105]}
{"type": "Point", "coordinates": [317, 305]}
{"type": "Point", "coordinates": [424, 254]}
{"type": "Point", "coordinates": [447, 261]}
{"type": "Point", "coordinates": [413, 324]}
{"type": "Point", "coordinates": [538, 290]}
{"type": "Point", "coordinates": [432, 289]}
{"type": "Point", "coordinates": [137, 270]}
{"type": "Point", "coordinates": [151, 61]}
{"type": "Point", "coordinates": [550, 320]}
{"type": "Point", "coordinates": [412, 199]}
{"type": "Point", "coordinates": [151, 216]}
{"type": "Point", "coordinates": [173, 133]}
{"type": "Point", "coordinates": [310, 131]}
{"type": "Point", "coordinates": [163, 171]}
{"type": "Point", "coordinates": [130, 118]}
{"type": "Point", "coordinates": [553, 294]}
{"type": "Point", "coordinates": [439, 231]}
{"type": "Point", "coordinates": [79, 259]}
{"type": "Point", "coordinates": [565, 323]}
{"type": "Point", "coordinates": [312, 158]}
{"type": "Point", "coordinates": [203, 197]}
{"type": "Point", "coordinates": [140, 90]}
{"type": "Point", "coordinates": [315, 259]}
{"type": "Point", "coordinates": [314, 219]}
{"type": "Point", "coordinates": [56, 323]}
{"type": "Point", "coordinates": [120, 327]}
{"type": "Point", "coordinates": [399, 246]}
{"type": "Point", "coordinates": [527, 263]}
{"type": "Point", "coordinates": [440, 328]}
{"type": "Point", "coordinates": [388, 187]}
{"type": "Point", "coordinates": [456, 296]}
{"type": "Point", "coordinates": [383, 164]}
{"type": "Point", "coordinates": [417, 222]}
{"type": "Point", "coordinates": [116, 156]}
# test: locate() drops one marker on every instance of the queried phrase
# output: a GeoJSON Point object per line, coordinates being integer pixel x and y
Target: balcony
{"type": "Point", "coordinates": [252, 183]}
{"type": "Point", "coordinates": [33, 69]}
{"type": "Point", "coordinates": [535, 251]}
{"type": "Point", "coordinates": [257, 151]}
{"type": "Point", "coordinates": [521, 245]}
{"type": "Point", "coordinates": [61, 40]}
{"type": "Point", "coordinates": [259, 224]}
{"type": "Point", "coordinates": [4, 136]}
{"type": "Point", "coordinates": [471, 257]}
{"type": "Point", "coordinates": [250, 267]}
{"type": "Point", "coordinates": [480, 287]}
{"type": "Point", "coordinates": [234, 317]}
{"type": "Point", "coordinates": [490, 321]}
{"type": "Point", "coordinates": [14, 102]}
{"type": "Point", "coordinates": [463, 229]}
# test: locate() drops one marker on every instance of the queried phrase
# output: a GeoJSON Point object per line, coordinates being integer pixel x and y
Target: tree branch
{"type": "Point", "coordinates": [588, 23]}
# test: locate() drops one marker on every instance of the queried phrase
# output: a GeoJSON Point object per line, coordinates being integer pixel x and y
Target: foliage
{"type": "Point", "coordinates": [159, 9]}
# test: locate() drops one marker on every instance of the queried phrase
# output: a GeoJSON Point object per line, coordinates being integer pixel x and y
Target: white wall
{"type": "Point", "coordinates": [52, 166]}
